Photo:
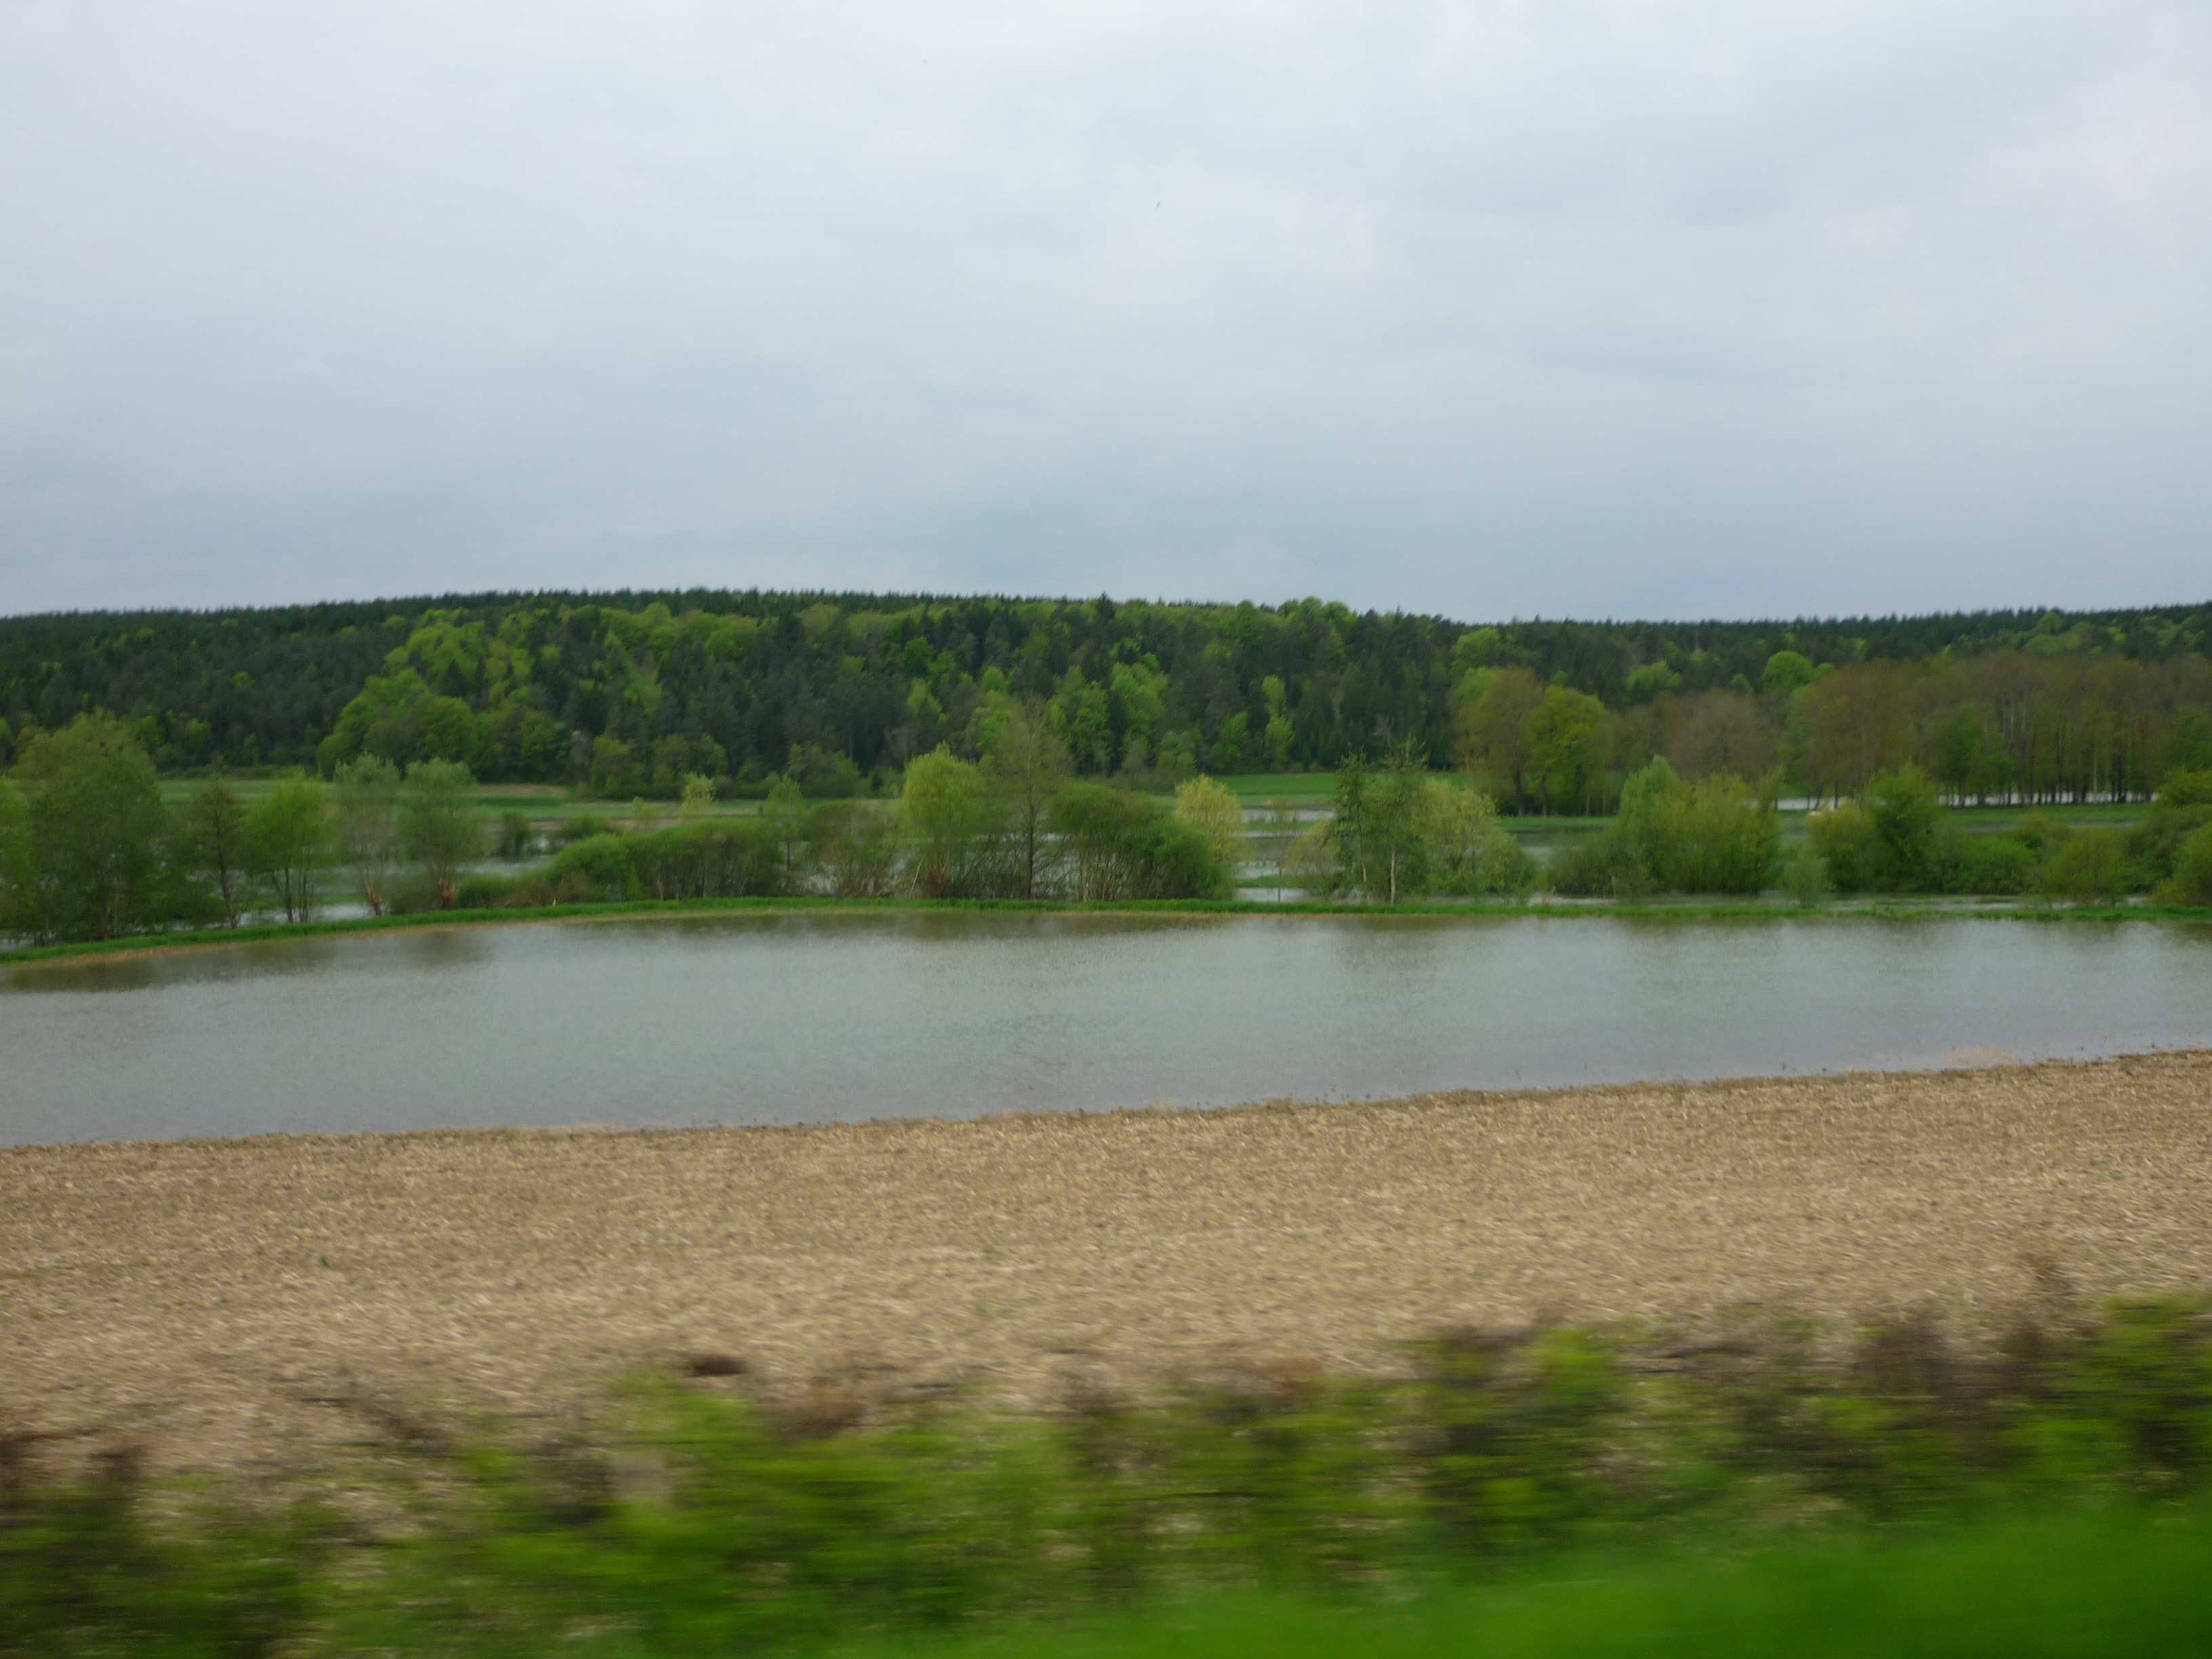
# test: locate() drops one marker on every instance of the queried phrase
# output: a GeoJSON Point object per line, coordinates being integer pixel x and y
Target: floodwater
{"type": "Point", "coordinates": [800, 1019]}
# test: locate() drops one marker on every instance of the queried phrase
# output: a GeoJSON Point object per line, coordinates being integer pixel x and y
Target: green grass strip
{"type": "Point", "coordinates": [2083, 1586]}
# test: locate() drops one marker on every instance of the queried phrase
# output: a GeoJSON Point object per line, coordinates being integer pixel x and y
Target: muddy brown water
{"type": "Point", "coordinates": [794, 1018]}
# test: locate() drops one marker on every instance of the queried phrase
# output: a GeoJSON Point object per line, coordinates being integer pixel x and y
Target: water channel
{"type": "Point", "coordinates": [797, 1018]}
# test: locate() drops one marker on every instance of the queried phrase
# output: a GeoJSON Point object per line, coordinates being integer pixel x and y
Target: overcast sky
{"type": "Point", "coordinates": [1715, 307]}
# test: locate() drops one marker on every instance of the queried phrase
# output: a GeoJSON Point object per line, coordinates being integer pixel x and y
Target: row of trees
{"type": "Point", "coordinates": [1718, 836]}
{"type": "Point", "coordinates": [2005, 726]}
{"type": "Point", "coordinates": [1900, 837]}
{"type": "Point", "coordinates": [89, 850]}
{"type": "Point", "coordinates": [945, 840]}
{"type": "Point", "coordinates": [627, 694]}
{"type": "Point", "coordinates": [1015, 823]}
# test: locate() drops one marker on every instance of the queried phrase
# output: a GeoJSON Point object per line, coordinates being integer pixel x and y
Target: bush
{"type": "Point", "coordinates": [1907, 816]}
{"type": "Point", "coordinates": [1844, 837]}
{"type": "Point", "coordinates": [1594, 866]}
{"type": "Point", "coordinates": [602, 861]}
{"type": "Point", "coordinates": [1467, 851]}
{"type": "Point", "coordinates": [581, 826]}
{"type": "Point", "coordinates": [1898, 839]}
{"type": "Point", "coordinates": [86, 1570]}
{"type": "Point", "coordinates": [721, 859]}
{"type": "Point", "coordinates": [1804, 876]}
{"type": "Point", "coordinates": [823, 774]}
{"type": "Point", "coordinates": [1122, 846]}
{"type": "Point", "coordinates": [1968, 863]}
{"type": "Point", "coordinates": [2155, 843]}
{"type": "Point", "coordinates": [2187, 789]}
{"type": "Point", "coordinates": [856, 849]}
{"type": "Point", "coordinates": [1713, 837]}
{"type": "Point", "coordinates": [484, 892]}
{"type": "Point", "coordinates": [2088, 868]}
{"type": "Point", "coordinates": [2191, 880]}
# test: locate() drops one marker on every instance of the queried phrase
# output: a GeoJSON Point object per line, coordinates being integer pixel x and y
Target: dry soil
{"type": "Point", "coordinates": [232, 1302]}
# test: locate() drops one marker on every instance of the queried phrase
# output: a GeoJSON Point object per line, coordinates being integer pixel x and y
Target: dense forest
{"type": "Point", "coordinates": [628, 694]}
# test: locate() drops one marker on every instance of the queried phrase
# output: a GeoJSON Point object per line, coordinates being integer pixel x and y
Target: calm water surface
{"type": "Point", "coordinates": [794, 1019]}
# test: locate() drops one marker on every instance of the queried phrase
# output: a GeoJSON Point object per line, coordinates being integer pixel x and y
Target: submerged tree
{"type": "Point", "coordinates": [368, 827]}
{"type": "Point", "coordinates": [1282, 837]}
{"type": "Point", "coordinates": [1125, 846]}
{"type": "Point", "coordinates": [438, 825]}
{"type": "Point", "coordinates": [214, 831]}
{"type": "Point", "coordinates": [787, 817]}
{"type": "Point", "coordinates": [952, 828]}
{"type": "Point", "coordinates": [1025, 766]}
{"type": "Point", "coordinates": [1465, 849]}
{"type": "Point", "coordinates": [1377, 827]}
{"type": "Point", "coordinates": [856, 849]}
{"type": "Point", "coordinates": [287, 842]}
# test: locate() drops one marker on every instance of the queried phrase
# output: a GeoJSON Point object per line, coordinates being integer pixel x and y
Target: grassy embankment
{"type": "Point", "coordinates": [1546, 1492]}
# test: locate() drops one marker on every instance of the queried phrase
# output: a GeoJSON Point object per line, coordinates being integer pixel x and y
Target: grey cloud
{"type": "Point", "coordinates": [1487, 309]}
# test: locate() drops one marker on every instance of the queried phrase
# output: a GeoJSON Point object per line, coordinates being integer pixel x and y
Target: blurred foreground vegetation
{"type": "Point", "coordinates": [1845, 1492]}
{"type": "Point", "coordinates": [2069, 1587]}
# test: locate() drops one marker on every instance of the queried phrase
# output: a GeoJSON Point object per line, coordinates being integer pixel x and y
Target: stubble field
{"type": "Point", "coordinates": [231, 1303]}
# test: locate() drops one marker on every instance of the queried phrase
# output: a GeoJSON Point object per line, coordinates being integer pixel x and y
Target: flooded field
{"type": "Point", "coordinates": [799, 1019]}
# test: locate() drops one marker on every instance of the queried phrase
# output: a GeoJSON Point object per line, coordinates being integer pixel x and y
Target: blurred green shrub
{"type": "Point", "coordinates": [701, 1521]}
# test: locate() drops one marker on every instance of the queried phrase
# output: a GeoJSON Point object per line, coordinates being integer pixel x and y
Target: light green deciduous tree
{"type": "Point", "coordinates": [1212, 808]}
{"type": "Point", "coordinates": [287, 844]}
{"type": "Point", "coordinates": [439, 827]}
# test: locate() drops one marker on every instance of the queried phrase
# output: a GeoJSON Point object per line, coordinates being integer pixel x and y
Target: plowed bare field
{"type": "Point", "coordinates": [230, 1302]}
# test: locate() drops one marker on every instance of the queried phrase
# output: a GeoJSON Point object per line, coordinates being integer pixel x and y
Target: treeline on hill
{"type": "Point", "coordinates": [627, 695]}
